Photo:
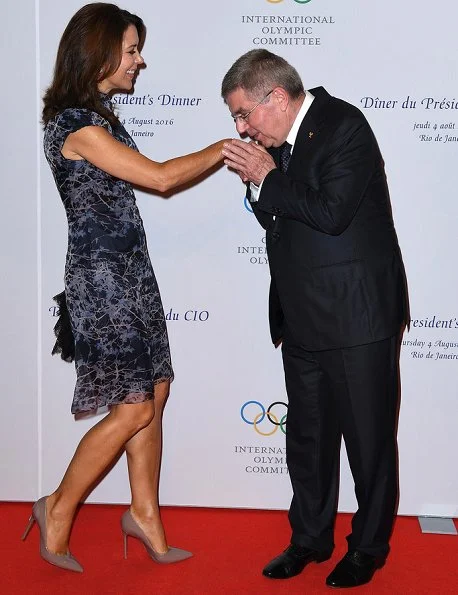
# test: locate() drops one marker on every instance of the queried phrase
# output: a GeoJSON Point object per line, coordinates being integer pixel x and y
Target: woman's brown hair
{"type": "Point", "coordinates": [89, 51]}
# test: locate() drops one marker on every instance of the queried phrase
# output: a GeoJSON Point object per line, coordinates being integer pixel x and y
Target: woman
{"type": "Point", "coordinates": [121, 347]}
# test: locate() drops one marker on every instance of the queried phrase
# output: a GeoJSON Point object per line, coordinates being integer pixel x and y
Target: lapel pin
{"type": "Point", "coordinates": [310, 134]}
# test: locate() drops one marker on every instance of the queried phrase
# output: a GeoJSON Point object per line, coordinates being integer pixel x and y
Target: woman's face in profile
{"type": "Point", "coordinates": [123, 78]}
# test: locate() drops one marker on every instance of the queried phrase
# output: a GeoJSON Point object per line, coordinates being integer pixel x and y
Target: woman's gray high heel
{"type": "Point", "coordinates": [130, 528]}
{"type": "Point", "coordinates": [65, 561]}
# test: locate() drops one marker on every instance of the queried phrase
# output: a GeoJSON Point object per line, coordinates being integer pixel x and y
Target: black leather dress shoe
{"type": "Point", "coordinates": [356, 568]}
{"type": "Point", "coordinates": [293, 561]}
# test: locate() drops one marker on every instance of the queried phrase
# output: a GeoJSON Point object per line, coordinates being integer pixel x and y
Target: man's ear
{"type": "Point", "coordinates": [282, 97]}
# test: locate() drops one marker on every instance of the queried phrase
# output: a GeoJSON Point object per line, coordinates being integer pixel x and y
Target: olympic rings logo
{"type": "Point", "coordinates": [247, 205]}
{"type": "Point", "coordinates": [269, 415]}
{"type": "Point", "coordinates": [298, 1]}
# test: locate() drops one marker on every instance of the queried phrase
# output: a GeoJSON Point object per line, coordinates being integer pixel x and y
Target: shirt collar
{"type": "Point", "coordinates": [292, 135]}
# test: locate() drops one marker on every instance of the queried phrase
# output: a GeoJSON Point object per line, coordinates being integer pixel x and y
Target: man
{"type": "Point", "coordinates": [337, 303]}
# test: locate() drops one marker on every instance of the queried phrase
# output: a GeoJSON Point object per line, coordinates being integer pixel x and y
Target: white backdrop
{"type": "Point", "coordinates": [394, 61]}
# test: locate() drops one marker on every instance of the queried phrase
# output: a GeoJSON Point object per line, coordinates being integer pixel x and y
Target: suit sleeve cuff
{"type": "Point", "coordinates": [255, 191]}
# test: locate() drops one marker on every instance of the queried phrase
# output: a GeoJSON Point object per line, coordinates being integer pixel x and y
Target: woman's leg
{"type": "Point", "coordinates": [144, 460]}
{"type": "Point", "coordinates": [97, 449]}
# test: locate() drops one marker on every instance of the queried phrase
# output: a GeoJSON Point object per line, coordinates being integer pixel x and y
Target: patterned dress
{"type": "Point", "coordinates": [116, 314]}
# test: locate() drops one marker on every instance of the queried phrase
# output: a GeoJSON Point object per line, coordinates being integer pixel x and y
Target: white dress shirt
{"type": "Point", "coordinates": [291, 139]}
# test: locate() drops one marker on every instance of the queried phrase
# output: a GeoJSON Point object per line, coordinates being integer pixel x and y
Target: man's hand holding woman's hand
{"type": "Point", "coordinates": [250, 160]}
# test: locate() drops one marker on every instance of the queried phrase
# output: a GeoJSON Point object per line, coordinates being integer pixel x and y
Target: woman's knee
{"type": "Point", "coordinates": [135, 416]}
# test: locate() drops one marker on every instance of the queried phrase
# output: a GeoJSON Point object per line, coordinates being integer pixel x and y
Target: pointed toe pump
{"type": "Point", "coordinates": [65, 561]}
{"type": "Point", "coordinates": [130, 528]}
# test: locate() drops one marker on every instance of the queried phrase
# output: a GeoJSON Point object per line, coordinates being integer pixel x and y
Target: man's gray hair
{"type": "Point", "coordinates": [259, 71]}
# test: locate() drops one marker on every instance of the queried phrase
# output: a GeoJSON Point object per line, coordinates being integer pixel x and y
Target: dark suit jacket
{"type": "Point", "coordinates": [337, 277]}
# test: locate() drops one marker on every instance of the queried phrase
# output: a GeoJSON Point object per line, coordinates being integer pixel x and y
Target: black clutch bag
{"type": "Point", "coordinates": [65, 341]}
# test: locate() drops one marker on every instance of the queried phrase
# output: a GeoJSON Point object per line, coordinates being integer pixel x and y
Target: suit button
{"type": "Point", "coordinates": [275, 235]}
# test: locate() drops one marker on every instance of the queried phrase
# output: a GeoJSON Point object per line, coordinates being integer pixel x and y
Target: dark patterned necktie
{"type": "Point", "coordinates": [285, 156]}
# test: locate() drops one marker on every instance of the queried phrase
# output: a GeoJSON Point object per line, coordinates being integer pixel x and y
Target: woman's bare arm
{"type": "Point", "coordinates": [96, 145]}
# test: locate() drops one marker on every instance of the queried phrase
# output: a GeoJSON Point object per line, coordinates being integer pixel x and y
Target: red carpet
{"type": "Point", "coordinates": [230, 548]}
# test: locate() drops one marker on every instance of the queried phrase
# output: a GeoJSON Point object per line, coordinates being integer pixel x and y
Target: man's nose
{"type": "Point", "coordinates": [241, 126]}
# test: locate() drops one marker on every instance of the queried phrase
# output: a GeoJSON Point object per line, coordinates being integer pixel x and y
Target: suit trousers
{"type": "Point", "coordinates": [351, 392]}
